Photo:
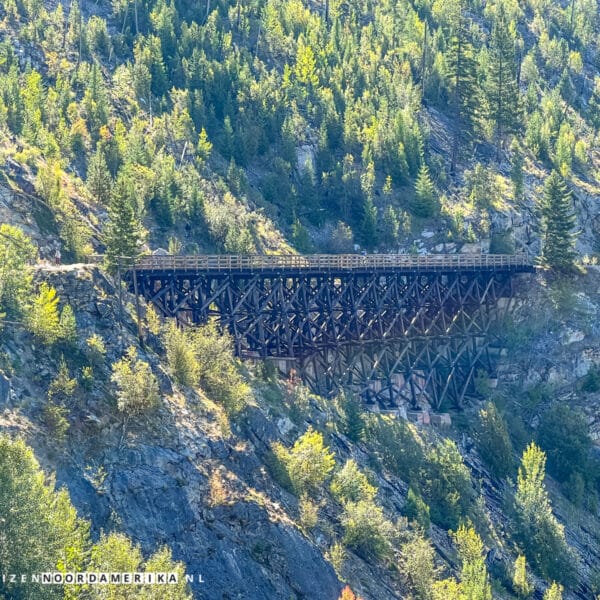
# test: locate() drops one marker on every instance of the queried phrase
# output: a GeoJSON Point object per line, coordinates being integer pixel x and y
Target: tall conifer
{"type": "Point", "coordinates": [558, 222]}
{"type": "Point", "coordinates": [124, 230]}
{"type": "Point", "coordinates": [502, 87]}
{"type": "Point", "coordinates": [462, 72]}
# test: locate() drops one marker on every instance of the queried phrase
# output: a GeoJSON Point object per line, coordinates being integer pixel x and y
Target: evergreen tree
{"type": "Point", "coordinates": [537, 530]}
{"type": "Point", "coordinates": [474, 579]}
{"type": "Point", "coordinates": [425, 202]}
{"type": "Point", "coordinates": [462, 75]}
{"type": "Point", "coordinates": [558, 222]}
{"type": "Point", "coordinates": [368, 228]}
{"type": "Point", "coordinates": [352, 423]}
{"type": "Point", "coordinates": [390, 226]}
{"type": "Point", "coordinates": [521, 584]}
{"type": "Point", "coordinates": [124, 232]}
{"type": "Point", "coordinates": [554, 592]}
{"type": "Point", "coordinates": [502, 87]}
{"type": "Point", "coordinates": [99, 181]}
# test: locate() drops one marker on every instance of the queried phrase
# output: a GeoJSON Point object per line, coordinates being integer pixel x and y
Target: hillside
{"type": "Point", "coordinates": [277, 126]}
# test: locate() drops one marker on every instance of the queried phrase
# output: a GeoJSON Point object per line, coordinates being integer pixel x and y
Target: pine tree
{"type": "Point", "coordinates": [462, 73]}
{"type": "Point", "coordinates": [502, 87]}
{"type": "Point", "coordinates": [424, 204]}
{"type": "Point", "coordinates": [124, 231]}
{"type": "Point", "coordinates": [99, 182]}
{"type": "Point", "coordinates": [538, 532]}
{"type": "Point", "coordinates": [558, 221]}
{"type": "Point", "coordinates": [474, 579]}
{"type": "Point", "coordinates": [521, 583]}
{"type": "Point", "coordinates": [390, 226]}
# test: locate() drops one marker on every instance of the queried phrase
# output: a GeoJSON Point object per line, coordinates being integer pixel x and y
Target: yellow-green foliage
{"type": "Point", "coordinates": [366, 529]}
{"type": "Point", "coordinates": [44, 318]}
{"type": "Point", "coordinates": [554, 592]}
{"type": "Point", "coordinates": [474, 580]}
{"type": "Point", "coordinates": [350, 484]}
{"type": "Point", "coordinates": [116, 553]}
{"type": "Point", "coordinates": [40, 528]}
{"type": "Point", "coordinates": [16, 254]}
{"type": "Point", "coordinates": [217, 368]}
{"type": "Point", "coordinates": [137, 386]}
{"type": "Point", "coordinates": [181, 355]}
{"type": "Point", "coordinates": [309, 463]}
{"type": "Point", "coordinates": [418, 566]}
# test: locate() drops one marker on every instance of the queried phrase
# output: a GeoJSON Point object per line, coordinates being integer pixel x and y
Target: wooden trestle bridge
{"type": "Point", "coordinates": [389, 326]}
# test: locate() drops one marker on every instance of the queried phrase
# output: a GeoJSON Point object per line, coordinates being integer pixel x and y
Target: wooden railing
{"type": "Point", "coordinates": [328, 262]}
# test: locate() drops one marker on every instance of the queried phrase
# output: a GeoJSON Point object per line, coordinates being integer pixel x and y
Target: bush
{"type": "Point", "coordinates": [137, 386]}
{"type": "Point", "coordinates": [418, 566]}
{"type": "Point", "coordinates": [563, 435]}
{"type": "Point", "coordinates": [308, 463]}
{"type": "Point", "coordinates": [181, 356]}
{"type": "Point", "coordinates": [494, 442]}
{"type": "Point", "coordinates": [40, 528]}
{"type": "Point", "coordinates": [396, 446]}
{"type": "Point", "coordinates": [591, 382]}
{"type": "Point", "coordinates": [43, 317]}
{"type": "Point", "coordinates": [416, 509]}
{"type": "Point", "coordinates": [366, 529]}
{"type": "Point", "coordinates": [309, 513]}
{"type": "Point", "coordinates": [350, 484]}
{"type": "Point", "coordinates": [217, 368]}
{"type": "Point", "coordinates": [95, 349]}
{"type": "Point", "coordinates": [446, 485]}
{"type": "Point", "coordinates": [17, 254]}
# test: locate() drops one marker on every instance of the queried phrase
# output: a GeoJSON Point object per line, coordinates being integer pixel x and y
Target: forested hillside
{"type": "Point", "coordinates": [334, 123]}
{"type": "Point", "coordinates": [277, 126]}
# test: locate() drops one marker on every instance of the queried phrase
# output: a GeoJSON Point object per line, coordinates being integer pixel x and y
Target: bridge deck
{"type": "Point", "coordinates": [336, 262]}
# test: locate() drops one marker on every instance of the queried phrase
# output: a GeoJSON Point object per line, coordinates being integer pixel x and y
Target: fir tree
{"type": "Point", "coordinates": [124, 231]}
{"type": "Point", "coordinates": [424, 204]}
{"type": "Point", "coordinates": [462, 73]}
{"type": "Point", "coordinates": [390, 226]}
{"type": "Point", "coordinates": [502, 87]}
{"type": "Point", "coordinates": [558, 221]}
{"type": "Point", "coordinates": [99, 182]}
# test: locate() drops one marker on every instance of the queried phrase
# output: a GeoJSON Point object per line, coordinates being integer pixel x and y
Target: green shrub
{"type": "Point", "coordinates": [417, 564]}
{"type": "Point", "coordinates": [137, 386]}
{"type": "Point", "coordinates": [416, 509]}
{"type": "Point", "coordinates": [537, 531]}
{"type": "Point", "coordinates": [43, 317]}
{"type": "Point", "coordinates": [446, 486]}
{"type": "Point", "coordinates": [55, 419]}
{"type": "Point", "coordinates": [350, 484]}
{"type": "Point", "coordinates": [494, 442]}
{"type": "Point", "coordinates": [591, 382]}
{"type": "Point", "coordinates": [181, 355]}
{"type": "Point", "coordinates": [396, 446]}
{"type": "Point", "coordinates": [217, 368]}
{"type": "Point", "coordinates": [308, 463]}
{"type": "Point", "coordinates": [351, 416]}
{"type": "Point", "coordinates": [563, 433]}
{"type": "Point", "coordinates": [95, 349]}
{"type": "Point", "coordinates": [366, 529]}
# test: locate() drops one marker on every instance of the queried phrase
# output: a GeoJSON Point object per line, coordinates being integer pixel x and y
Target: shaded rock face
{"type": "Point", "coordinates": [155, 486]}
{"type": "Point", "coordinates": [235, 550]}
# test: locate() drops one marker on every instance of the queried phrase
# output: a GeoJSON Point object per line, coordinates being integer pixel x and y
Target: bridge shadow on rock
{"type": "Point", "coordinates": [394, 327]}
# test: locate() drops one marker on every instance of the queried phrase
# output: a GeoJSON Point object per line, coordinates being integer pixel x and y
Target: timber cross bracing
{"type": "Point", "coordinates": [390, 325]}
